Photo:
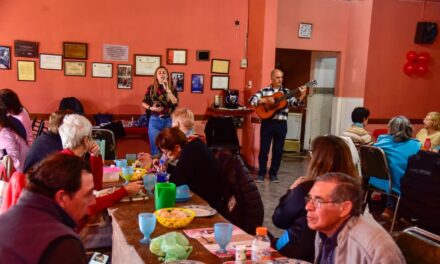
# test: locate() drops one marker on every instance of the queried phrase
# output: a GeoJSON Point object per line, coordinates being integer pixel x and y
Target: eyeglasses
{"type": "Point", "coordinates": [317, 203]}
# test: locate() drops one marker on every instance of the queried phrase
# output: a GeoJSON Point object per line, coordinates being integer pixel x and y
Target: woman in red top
{"type": "Point", "coordinates": [75, 133]}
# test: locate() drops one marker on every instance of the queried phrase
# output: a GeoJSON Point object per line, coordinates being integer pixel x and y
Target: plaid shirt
{"type": "Point", "coordinates": [281, 114]}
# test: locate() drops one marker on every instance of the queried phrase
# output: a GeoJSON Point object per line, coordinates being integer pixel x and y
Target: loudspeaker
{"type": "Point", "coordinates": [426, 32]}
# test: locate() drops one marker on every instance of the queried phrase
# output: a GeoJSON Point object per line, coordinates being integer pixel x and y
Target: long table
{"type": "Point", "coordinates": [126, 235]}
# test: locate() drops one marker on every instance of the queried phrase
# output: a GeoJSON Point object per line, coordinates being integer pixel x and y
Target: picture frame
{"type": "Point", "coordinates": [176, 56]}
{"type": "Point", "coordinates": [197, 83]}
{"type": "Point", "coordinates": [220, 66]}
{"type": "Point", "coordinates": [26, 70]}
{"type": "Point", "coordinates": [75, 68]}
{"type": "Point", "coordinates": [28, 49]}
{"type": "Point", "coordinates": [5, 58]}
{"type": "Point", "coordinates": [51, 61]}
{"type": "Point", "coordinates": [178, 80]}
{"type": "Point", "coordinates": [219, 82]}
{"type": "Point", "coordinates": [146, 65]}
{"type": "Point", "coordinates": [125, 76]}
{"type": "Point", "coordinates": [75, 50]}
{"type": "Point", "coordinates": [202, 55]}
{"type": "Point", "coordinates": [102, 70]}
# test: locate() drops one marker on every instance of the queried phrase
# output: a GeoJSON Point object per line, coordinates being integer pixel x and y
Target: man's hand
{"type": "Point", "coordinates": [303, 90]}
{"type": "Point", "coordinates": [133, 187]}
{"type": "Point", "coordinates": [267, 100]}
{"type": "Point", "coordinates": [145, 160]}
{"type": "Point", "coordinates": [93, 148]}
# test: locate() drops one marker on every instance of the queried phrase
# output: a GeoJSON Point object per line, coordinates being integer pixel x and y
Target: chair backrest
{"type": "Point", "coordinates": [420, 197]}
{"type": "Point", "coordinates": [374, 163]}
{"type": "Point", "coordinates": [38, 126]}
{"type": "Point", "coordinates": [419, 246]}
{"type": "Point", "coordinates": [354, 153]}
{"type": "Point", "coordinates": [110, 143]}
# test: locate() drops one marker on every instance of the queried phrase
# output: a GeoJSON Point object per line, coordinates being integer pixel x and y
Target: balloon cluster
{"type": "Point", "coordinates": [416, 64]}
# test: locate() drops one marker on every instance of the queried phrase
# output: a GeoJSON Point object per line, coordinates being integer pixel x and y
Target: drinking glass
{"type": "Point", "coordinates": [222, 234]}
{"type": "Point", "coordinates": [127, 173]}
{"type": "Point", "coordinates": [120, 163]}
{"type": "Point", "coordinates": [149, 183]}
{"type": "Point", "coordinates": [130, 158]}
{"type": "Point", "coordinates": [147, 224]}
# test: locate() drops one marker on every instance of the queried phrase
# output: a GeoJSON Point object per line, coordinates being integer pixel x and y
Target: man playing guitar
{"type": "Point", "coordinates": [274, 129]}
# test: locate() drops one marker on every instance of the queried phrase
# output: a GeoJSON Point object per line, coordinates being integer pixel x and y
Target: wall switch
{"type": "Point", "coordinates": [243, 63]}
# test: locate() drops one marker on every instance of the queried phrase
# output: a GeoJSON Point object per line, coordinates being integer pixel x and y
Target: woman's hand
{"type": "Point", "coordinates": [156, 108]}
{"type": "Point", "coordinates": [297, 182]}
{"type": "Point", "coordinates": [133, 187]}
{"type": "Point", "coordinates": [93, 148]}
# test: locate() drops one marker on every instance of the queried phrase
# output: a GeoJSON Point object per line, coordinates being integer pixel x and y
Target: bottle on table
{"type": "Point", "coordinates": [427, 144]}
{"type": "Point", "coordinates": [261, 246]}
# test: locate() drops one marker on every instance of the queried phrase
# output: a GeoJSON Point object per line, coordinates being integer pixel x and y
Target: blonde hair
{"type": "Point", "coordinates": [185, 117]}
{"type": "Point", "coordinates": [73, 130]}
{"type": "Point", "coordinates": [435, 117]}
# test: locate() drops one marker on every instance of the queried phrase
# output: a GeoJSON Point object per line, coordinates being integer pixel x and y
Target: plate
{"type": "Point", "coordinates": [183, 199]}
{"type": "Point", "coordinates": [202, 210]}
{"type": "Point", "coordinates": [186, 262]}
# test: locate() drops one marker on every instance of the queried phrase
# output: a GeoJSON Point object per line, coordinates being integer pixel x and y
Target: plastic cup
{"type": "Point", "coordinates": [131, 158]}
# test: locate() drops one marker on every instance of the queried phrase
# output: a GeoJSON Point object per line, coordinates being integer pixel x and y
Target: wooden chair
{"type": "Point", "coordinates": [419, 246]}
{"type": "Point", "coordinates": [374, 164]}
{"type": "Point", "coordinates": [37, 127]}
{"type": "Point", "coordinates": [110, 142]}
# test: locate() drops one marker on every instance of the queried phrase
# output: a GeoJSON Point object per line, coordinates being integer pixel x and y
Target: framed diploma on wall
{"type": "Point", "coordinates": [75, 68]}
{"type": "Point", "coordinates": [74, 50]}
{"type": "Point", "coordinates": [145, 65]}
{"type": "Point", "coordinates": [102, 70]}
{"type": "Point", "coordinates": [220, 66]}
{"type": "Point", "coordinates": [26, 71]}
{"type": "Point", "coordinates": [219, 82]}
{"type": "Point", "coordinates": [51, 62]}
{"type": "Point", "coordinates": [176, 56]}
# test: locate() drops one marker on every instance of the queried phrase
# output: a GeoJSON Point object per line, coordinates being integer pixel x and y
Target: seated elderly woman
{"type": "Point", "coordinates": [196, 164]}
{"type": "Point", "coordinates": [398, 145]}
{"type": "Point", "coordinates": [10, 141]}
{"type": "Point", "coordinates": [76, 137]}
{"type": "Point", "coordinates": [431, 130]}
{"type": "Point", "coordinates": [330, 154]}
{"type": "Point", "coordinates": [48, 142]}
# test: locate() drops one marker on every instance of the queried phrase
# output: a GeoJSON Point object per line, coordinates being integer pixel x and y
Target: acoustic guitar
{"type": "Point", "coordinates": [266, 111]}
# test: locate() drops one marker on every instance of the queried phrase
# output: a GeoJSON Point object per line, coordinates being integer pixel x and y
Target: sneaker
{"type": "Point", "coordinates": [275, 179]}
{"type": "Point", "coordinates": [260, 179]}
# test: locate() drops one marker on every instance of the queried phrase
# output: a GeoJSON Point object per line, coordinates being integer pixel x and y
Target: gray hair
{"type": "Point", "coordinates": [400, 128]}
{"type": "Point", "coordinates": [73, 130]}
{"type": "Point", "coordinates": [347, 189]}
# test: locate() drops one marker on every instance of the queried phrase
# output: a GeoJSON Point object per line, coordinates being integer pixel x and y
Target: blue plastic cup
{"type": "Point", "coordinates": [120, 163]}
{"type": "Point", "coordinates": [162, 177]}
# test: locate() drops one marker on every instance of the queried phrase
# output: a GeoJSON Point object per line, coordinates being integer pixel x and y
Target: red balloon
{"type": "Point", "coordinates": [411, 56]}
{"type": "Point", "coordinates": [409, 68]}
{"type": "Point", "coordinates": [421, 70]}
{"type": "Point", "coordinates": [423, 58]}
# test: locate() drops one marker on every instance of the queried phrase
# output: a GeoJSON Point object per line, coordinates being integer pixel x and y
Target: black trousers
{"type": "Point", "coordinates": [271, 132]}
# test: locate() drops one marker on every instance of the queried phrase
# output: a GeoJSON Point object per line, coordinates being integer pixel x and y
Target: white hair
{"type": "Point", "coordinates": [73, 130]}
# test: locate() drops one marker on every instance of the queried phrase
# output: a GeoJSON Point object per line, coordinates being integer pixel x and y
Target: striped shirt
{"type": "Point", "coordinates": [281, 114]}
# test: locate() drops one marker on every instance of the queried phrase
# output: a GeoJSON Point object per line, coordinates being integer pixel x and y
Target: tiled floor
{"type": "Point", "coordinates": [291, 168]}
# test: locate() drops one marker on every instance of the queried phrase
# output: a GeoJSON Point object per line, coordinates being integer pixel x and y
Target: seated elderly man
{"type": "Point", "coordinates": [40, 228]}
{"type": "Point", "coordinates": [334, 208]}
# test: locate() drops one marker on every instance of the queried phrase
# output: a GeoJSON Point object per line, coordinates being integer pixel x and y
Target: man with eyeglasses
{"type": "Point", "coordinates": [334, 208]}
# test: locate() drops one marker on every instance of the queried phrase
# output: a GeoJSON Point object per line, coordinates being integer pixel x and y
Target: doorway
{"type": "Point", "coordinates": [300, 66]}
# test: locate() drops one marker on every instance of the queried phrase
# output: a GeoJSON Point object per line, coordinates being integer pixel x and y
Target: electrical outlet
{"type": "Point", "coordinates": [243, 63]}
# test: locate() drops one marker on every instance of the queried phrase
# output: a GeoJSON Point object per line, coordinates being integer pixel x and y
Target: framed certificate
{"type": "Point", "coordinates": [75, 68]}
{"type": "Point", "coordinates": [197, 83]}
{"type": "Point", "coordinates": [219, 82]}
{"type": "Point", "coordinates": [220, 66]}
{"type": "Point", "coordinates": [26, 71]}
{"type": "Point", "coordinates": [102, 70]}
{"type": "Point", "coordinates": [51, 62]}
{"type": "Point", "coordinates": [125, 76]}
{"type": "Point", "coordinates": [145, 65]}
{"type": "Point", "coordinates": [27, 49]}
{"type": "Point", "coordinates": [176, 56]}
{"type": "Point", "coordinates": [72, 50]}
